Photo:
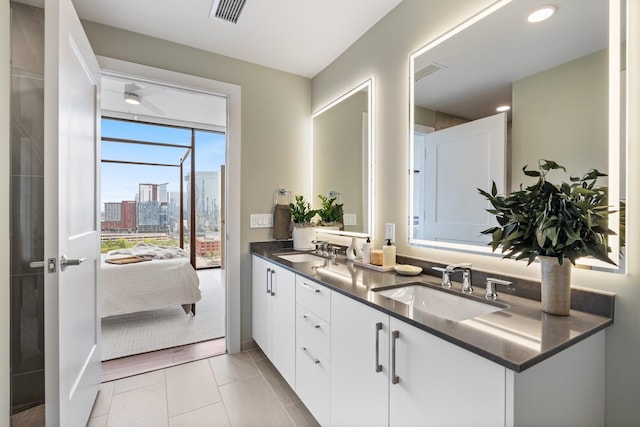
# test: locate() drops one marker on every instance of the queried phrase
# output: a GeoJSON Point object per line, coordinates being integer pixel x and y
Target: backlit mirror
{"type": "Point", "coordinates": [342, 141]}
{"type": "Point", "coordinates": [562, 81]}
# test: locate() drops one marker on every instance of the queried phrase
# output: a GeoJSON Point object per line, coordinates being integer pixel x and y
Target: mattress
{"type": "Point", "coordinates": [148, 285]}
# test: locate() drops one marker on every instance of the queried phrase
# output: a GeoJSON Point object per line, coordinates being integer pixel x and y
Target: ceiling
{"type": "Point", "coordinates": [297, 36]}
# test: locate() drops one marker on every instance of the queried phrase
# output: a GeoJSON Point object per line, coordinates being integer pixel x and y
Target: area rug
{"type": "Point", "coordinates": [146, 331]}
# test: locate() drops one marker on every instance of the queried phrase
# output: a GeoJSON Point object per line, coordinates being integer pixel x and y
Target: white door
{"type": "Point", "coordinates": [72, 328]}
{"type": "Point", "coordinates": [458, 161]}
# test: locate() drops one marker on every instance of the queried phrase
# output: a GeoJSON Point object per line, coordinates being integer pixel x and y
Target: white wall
{"type": "Point", "coordinates": [383, 52]}
{"type": "Point", "coordinates": [4, 211]}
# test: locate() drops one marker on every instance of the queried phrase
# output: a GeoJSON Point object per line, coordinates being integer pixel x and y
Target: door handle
{"type": "Point", "coordinates": [66, 262]}
{"type": "Point", "coordinates": [50, 264]}
{"type": "Point", "coordinates": [394, 336]}
{"type": "Point", "coordinates": [378, 329]}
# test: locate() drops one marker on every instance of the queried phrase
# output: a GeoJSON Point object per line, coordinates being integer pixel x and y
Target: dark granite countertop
{"type": "Point", "coordinates": [517, 337]}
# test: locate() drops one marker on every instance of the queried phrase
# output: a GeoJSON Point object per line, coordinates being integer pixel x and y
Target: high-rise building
{"type": "Point", "coordinates": [149, 216]}
{"type": "Point", "coordinates": [152, 192]}
{"type": "Point", "coordinates": [113, 211]}
{"type": "Point", "coordinates": [129, 216]}
{"type": "Point", "coordinates": [207, 198]}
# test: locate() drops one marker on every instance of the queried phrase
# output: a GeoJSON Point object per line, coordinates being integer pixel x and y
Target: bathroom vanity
{"type": "Point", "coordinates": [357, 357]}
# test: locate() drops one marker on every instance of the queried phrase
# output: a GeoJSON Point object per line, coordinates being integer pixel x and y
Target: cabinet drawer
{"type": "Point", "coordinates": [314, 297]}
{"type": "Point", "coordinates": [313, 382]}
{"type": "Point", "coordinates": [312, 331]}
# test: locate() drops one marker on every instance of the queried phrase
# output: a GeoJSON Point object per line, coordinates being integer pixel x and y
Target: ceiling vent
{"type": "Point", "coordinates": [428, 70]}
{"type": "Point", "coordinates": [227, 10]}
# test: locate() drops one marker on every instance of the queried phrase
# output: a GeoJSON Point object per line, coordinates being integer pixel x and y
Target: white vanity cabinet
{"type": "Point", "coordinates": [359, 344]}
{"type": "Point", "coordinates": [274, 304]}
{"type": "Point", "coordinates": [439, 384]}
{"type": "Point", "coordinates": [313, 340]}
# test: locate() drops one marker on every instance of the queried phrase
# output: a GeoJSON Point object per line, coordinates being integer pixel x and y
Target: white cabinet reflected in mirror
{"type": "Point", "coordinates": [562, 80]}
{"type": "Point", "coordinates": [342, 149]}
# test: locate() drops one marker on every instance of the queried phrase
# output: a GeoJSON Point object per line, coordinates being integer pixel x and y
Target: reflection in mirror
{"type": "Point", "coordinates": [560, 82]}
{"type": "Point", "coordinates": [342, 147]}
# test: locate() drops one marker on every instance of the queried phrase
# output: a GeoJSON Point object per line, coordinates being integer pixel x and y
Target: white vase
{"type": "Point", "coordinates": [303, 237]}
{"type": "Point", "coordinates": [555, 285]}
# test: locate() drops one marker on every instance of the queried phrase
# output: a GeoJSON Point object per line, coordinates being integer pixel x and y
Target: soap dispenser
{"type": "Point", "coordinates": [388, 254]}
{"type": "Point", "coordinates": [366, 251]}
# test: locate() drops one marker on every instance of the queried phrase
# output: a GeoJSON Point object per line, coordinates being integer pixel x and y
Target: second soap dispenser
{"type": "Point", "coordinates": [388, 254]}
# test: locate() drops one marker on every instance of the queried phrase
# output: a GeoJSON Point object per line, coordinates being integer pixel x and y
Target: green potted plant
{"type": "Point", "coordinates": [304, 232]}
{"type": "Point", "coordinates": [331, 213]}
{"type": "Point", "coordinates": [553, 223]}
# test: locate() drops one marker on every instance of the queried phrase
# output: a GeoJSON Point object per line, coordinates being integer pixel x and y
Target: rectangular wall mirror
{"type": "Point", "coordinates": [342, 150]}
{"type": "Point", "coordinates": [561, 82]}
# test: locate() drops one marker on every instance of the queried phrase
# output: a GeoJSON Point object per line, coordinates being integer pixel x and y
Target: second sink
{"type": "Point", "coordinates": [440, 303]}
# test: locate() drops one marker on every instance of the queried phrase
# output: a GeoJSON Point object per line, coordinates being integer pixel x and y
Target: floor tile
{"type": "Point", "coordinates": [137, 381]}
{"type": "Point", "coordinates": [233, 367]}
{"type": "Point", "coordinates": [142, 407]}
{"type": "Point", "coordinates": [190, 386]}
{"type": "Point", "coordinates": [211, 416]}
{"type": "Point", "coordinates": [98, 421]}
{"type": "Point", "coordinates": [300, 415]}
{"type": "Point", "coordinates": [250, 402]}
{"type": "Point", "coordinates": [103, 400]}
{"type": "Point", "coordinates": [256, 354]}
{"type": "Point", "coordinates": [280, 387]}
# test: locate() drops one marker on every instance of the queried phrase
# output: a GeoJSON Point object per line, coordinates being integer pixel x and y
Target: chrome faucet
{"type": "Point", "coordinates": [322, 247]}
{"type": "Point", "coordinates": [465, 267]}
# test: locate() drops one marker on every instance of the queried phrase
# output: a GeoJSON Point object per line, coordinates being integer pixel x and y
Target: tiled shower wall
{"type": "Point", "coordinates": [27, 206]}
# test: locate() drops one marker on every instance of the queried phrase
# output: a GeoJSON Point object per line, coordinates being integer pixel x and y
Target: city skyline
{"type": "Point", "coordinates": [120, 181]}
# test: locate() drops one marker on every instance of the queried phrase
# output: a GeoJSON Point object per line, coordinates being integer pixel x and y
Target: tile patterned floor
{"type": "Point", "coordinates": [229, 390]}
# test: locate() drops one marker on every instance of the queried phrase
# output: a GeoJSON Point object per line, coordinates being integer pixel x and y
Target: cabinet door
{"type": "Point", "coordinates": [440, 384]}
{"type": "Point", "coordinates": [359, 391]}
{"type": "Point", "coordinates": [261, 310]}
{"type": "Point", "coordinates": [283, 322]}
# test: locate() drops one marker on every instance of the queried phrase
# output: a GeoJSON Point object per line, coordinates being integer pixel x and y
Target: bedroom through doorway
{"type": "Point", "coordinates": [163, 154]}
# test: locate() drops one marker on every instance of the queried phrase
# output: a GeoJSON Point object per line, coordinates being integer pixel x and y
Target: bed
{"type": "Point", "coordinates": [165, 278]}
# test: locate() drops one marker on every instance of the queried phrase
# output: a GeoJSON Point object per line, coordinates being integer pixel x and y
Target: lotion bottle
{"type": "Point", "coordinates": [388, 254]}
{"type": "Point", "coordinates": [366, 251]}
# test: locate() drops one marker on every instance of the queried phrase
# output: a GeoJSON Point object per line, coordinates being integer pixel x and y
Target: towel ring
{"type": "Point", "coordinates": [281, 192]}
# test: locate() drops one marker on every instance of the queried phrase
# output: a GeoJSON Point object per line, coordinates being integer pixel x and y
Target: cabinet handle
{"type": "Point", "coordinates": [267, 281]}
{"type": "Point", "coordinates": [309, 320]}
{"type": "Point", "coordinates": [306, 285]}
{"type": "Point", "coordinates": [313, 359]}
{"type": "Point", "coordinates": [272, 273]}
{"type": "Point", "coordinates": [394, 336]}
{"type": "Point", "coordinates": [378, 329]}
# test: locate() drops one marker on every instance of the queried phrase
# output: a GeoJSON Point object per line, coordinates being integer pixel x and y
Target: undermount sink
{"type": "Point", "coordinates": [300, 257]}
{"type": "Point", "coordinates": [440, 303]}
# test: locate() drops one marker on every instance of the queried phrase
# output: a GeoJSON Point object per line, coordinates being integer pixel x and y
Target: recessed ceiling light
{"type": "Point", "coordinates": [541, 13]}
{"type": "Point", "coordinates": [503, 108]}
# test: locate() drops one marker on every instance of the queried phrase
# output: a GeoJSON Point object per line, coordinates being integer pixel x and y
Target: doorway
{"type": "Point", "coordinates": [160, 192]}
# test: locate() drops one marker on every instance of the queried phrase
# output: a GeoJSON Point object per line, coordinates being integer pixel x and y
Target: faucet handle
{"type": "Point", "coordinates": [490, 292]}
{"type": "Point", "coordinates": [446, 278]}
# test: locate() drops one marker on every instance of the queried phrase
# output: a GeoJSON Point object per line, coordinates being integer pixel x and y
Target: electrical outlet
{"type": "Point", "coordinates": [390, 232]}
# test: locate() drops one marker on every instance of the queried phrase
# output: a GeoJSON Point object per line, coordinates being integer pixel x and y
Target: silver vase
{"type": "Point", "coordinates": [555, 282]}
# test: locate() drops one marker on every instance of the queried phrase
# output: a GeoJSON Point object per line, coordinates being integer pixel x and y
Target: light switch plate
{"type": "Point", "coordinates": [261, 221]}
{"type": "Point", "coordinates": [350, 219]}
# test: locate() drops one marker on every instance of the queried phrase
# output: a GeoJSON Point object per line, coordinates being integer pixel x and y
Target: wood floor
{"type": "Point", "coordinates": [161, 359]}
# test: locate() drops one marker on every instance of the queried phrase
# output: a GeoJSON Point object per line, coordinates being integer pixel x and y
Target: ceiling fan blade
{"type": "Point", "coordinates": [149, 90]}
{"type": "Point", "coordinates": [151, 107]}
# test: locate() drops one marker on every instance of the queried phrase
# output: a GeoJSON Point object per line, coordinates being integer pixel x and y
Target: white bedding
{"type": "Point", "coordinates": [147, 285]}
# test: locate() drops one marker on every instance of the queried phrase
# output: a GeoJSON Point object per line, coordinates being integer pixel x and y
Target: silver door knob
{"type": "Point", "coordinates": [66, 262]}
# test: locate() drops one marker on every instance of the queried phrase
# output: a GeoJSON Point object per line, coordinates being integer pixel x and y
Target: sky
{"type": "Point", "coordinates": [120, 182]}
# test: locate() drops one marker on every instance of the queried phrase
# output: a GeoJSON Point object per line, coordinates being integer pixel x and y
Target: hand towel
{"type": "Point", "coordinates": [281, 222]}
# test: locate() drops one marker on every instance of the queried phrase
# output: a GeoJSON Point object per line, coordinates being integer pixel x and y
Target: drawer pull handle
{"type": "Point", "coordinates": [309, 320]}
{"type": "Point", "coordinates": [313, 359]}
{"type": "Point", "coordinates": [306, 285]}
{"type": "Point", "coordinates": [394, 337]}
{"type": "Point", "coordinates": [268, 277]}
{"type": "Point", "coordinates": [378, 329]}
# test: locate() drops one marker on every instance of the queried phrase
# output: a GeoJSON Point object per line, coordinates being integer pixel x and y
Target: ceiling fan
{"type": "Point", "coordinates": [135, 95]}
